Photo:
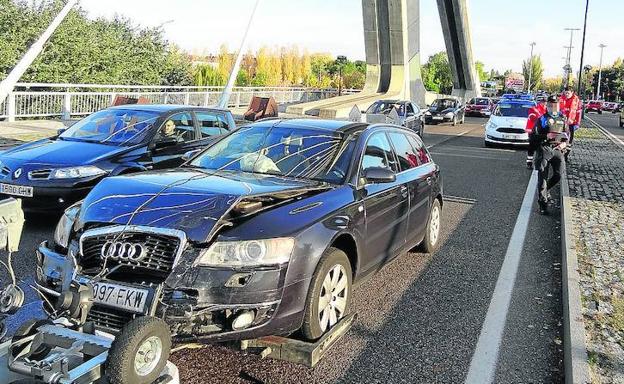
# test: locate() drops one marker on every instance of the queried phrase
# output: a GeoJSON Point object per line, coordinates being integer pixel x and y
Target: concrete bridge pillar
{"type": "Point", "coordinates": [392, 45]}
{"type": "Point", "coordinates": [456, 29]}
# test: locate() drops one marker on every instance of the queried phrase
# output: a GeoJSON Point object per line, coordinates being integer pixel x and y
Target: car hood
{"type": "Point", "coordinates": [60, 152]}
{"type": "Point", "coordinates": [440, 111]}
{"type": "Point", "coordinates": [509, 122]}
{"type": "Point", "coordinates": [197, 202]}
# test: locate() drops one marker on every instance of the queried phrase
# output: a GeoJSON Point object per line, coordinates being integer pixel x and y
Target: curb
{"type": "Point", "coordinates": [608, 134]}
{"type": "Point", "coordinates": [574, 348]}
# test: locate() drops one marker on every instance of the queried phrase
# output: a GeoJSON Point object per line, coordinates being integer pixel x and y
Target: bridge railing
{"type": "Point", "coordinates": [36, 100]}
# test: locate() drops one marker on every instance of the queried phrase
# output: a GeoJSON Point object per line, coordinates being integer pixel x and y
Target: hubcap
{"type": "Point", "coordinates": [333, 297]}
{"type": "Point", "coordinates": [147, 356]}
{"type": "Point", "coordinates": [434, 226]}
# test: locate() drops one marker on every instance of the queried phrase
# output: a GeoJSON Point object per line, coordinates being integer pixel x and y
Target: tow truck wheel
{"type": "Point", "coordinates": [27, 329]}
{"type": "Point", "coordinates": [140, 352]}
{"type": "Point", "coordinates": [329, 296]}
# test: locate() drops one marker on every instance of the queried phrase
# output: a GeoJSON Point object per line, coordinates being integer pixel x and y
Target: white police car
{"type": "Point", "coordinates": [507, 123]}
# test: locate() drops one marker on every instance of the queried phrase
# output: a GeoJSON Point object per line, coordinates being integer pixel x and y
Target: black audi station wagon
{"type": "Point", "coordinates": [263, 232]}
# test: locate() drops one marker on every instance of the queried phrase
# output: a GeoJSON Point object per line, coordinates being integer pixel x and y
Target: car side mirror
{"type": "Point", "coordinates": [379, 175]}
{"type": "Point", "coordinates": [165, 143]}
{"type": "Point", "coordinates": [188, 155]}
{"type": "Point", "coordinates": [60, 131]}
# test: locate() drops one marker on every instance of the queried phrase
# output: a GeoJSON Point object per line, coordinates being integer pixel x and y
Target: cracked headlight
{"type": "Point", "coordinates": [247, 253]}
{"type": "Point", "coordinates": [77, 172]}
{"type": "Point", "coordinates": [64, 226]}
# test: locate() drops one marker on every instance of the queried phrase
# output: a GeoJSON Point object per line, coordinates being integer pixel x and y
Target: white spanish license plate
{"type": "Point", "coordinates": [16, 190]}
{"type": "Point", "coordinates": [120, 296]}
{"type": "Point", "coordinates": [437, 117]}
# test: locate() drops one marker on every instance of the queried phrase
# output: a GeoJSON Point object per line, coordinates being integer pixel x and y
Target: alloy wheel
{"type": "Point", "coordinates": [332, 302]}
{"type": "Point", "coordinates": [434, 225]}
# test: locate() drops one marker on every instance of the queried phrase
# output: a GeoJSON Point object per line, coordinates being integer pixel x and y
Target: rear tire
{"type": "Point", "coordinates": [454, 120]}
{"type": "Point", "coordinates": [329, 295]}
{"type": "Point", "coordinates": [621, 122]}
{"type": "Point", "coordinates": [140, 352]}
{"type": "Point", "coordinates": [432, 232]}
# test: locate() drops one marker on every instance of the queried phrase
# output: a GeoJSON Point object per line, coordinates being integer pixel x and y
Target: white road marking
{"type": "Point", "coordinates": [485, 357]}
{"type": "Point", "coordinates": [445, 140]}
{"type": "Point", "coordinates": [471, 156]}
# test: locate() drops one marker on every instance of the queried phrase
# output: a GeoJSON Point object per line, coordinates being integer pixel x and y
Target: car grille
{"type": "Point", "coordinates": [40, 174]}
{"type": "Point", "coordinates": [109, 319]}
{"type": "Point", "coordinates": [511, 130]}
{"type": "Point", "coordinates": [159, 253]}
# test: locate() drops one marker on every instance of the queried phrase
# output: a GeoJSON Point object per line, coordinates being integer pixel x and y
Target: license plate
{"type": "Point", "coordinates": [120, 296]}
{"type": "Point", "coordinates": [16, 190]}
{"type": "Point", "coordinates": [509, 136]}
{"type": "Point", "coordinates": [437, 118]}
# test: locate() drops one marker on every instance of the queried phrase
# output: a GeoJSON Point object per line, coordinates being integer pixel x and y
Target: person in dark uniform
{"type": "Point", "coordinates": [550, 136]}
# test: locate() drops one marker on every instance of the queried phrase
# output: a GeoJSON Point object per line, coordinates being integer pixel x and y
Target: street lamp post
{"type": "Point", "coordinates": [531, 67]}
{"type": "Point", "coordinates": [599, 72]}
{"type": "Point", "coordinates": [569, 47]}
{"type": "Point", "coordinates": [583, 47]}
{"type": "Point", "coordinates": [340, 61]}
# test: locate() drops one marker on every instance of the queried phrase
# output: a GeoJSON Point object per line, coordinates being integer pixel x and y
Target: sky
{"type": "Point", "coordinates": [501, 29]}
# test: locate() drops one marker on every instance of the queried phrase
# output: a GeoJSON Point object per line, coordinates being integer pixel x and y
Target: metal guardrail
{"type": "Point", "coordinates": [67, 100]}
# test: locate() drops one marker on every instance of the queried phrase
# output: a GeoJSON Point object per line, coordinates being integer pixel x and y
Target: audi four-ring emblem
{"type": "Point", "coordinates": [118, 250]}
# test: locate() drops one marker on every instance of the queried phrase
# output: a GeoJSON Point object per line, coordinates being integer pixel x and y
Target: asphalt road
{"type": "Point", "coordinates": [420, 317]}
{"type": "Point", "coordinates": [610, 122]}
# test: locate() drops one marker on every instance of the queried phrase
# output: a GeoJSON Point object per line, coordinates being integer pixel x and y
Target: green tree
{"type": "Point", "coordinates": [436, 74]}
{"type": "Point", "coordinates": [483, 75]}
{"type": "Point", "coordinates": [537, 72]}
{"type": "Point", "coordinates": [552, 85]}
{"type": "Point", "coordinates": [88, 51]}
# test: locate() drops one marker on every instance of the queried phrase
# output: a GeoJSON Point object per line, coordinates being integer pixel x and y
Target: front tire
{"type": "Point", "coordinates": [140, 352]}
{"type": "Point", "coordinates": [621, 122]}
{"type": "Point", "coordinates": [454, 120]}
{"type": "Point", "coordinates": [329, 296]}
{"type": "Point", "coordinates": [432, 231]}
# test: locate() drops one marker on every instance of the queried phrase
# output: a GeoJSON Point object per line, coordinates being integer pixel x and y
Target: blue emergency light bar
{"type": "Point", "coordinates": [518, 96]}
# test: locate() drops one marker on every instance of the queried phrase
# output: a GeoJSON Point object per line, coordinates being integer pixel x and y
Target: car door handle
{"type": "Point", "coordinates": [428, 180]}
{"type": "Point", "coordinates": [403, 190]}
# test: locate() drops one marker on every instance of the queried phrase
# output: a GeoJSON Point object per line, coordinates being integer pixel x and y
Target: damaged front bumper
{"type": "Point", "coordinates": [200, 303]}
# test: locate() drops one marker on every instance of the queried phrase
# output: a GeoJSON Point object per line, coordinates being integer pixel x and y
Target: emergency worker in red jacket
{"type": "Point", "coordinates": [534, 114]}
{"type": "Point", "coordinates": [570, 107]}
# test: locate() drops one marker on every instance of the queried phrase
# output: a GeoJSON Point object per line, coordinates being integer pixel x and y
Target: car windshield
{"type": "Point", "coordinates": [385, 107]}
{"type": "Point", "coordinates": [112, 126]}
{"type": "Point", "coordinates": [443, 103]}
{"type": "Point", "coordinates": [513, 109]}
{"type": "Point", "coordinates": [282, 151]}
{"type": "Point", "coordinates": [478, 102]}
